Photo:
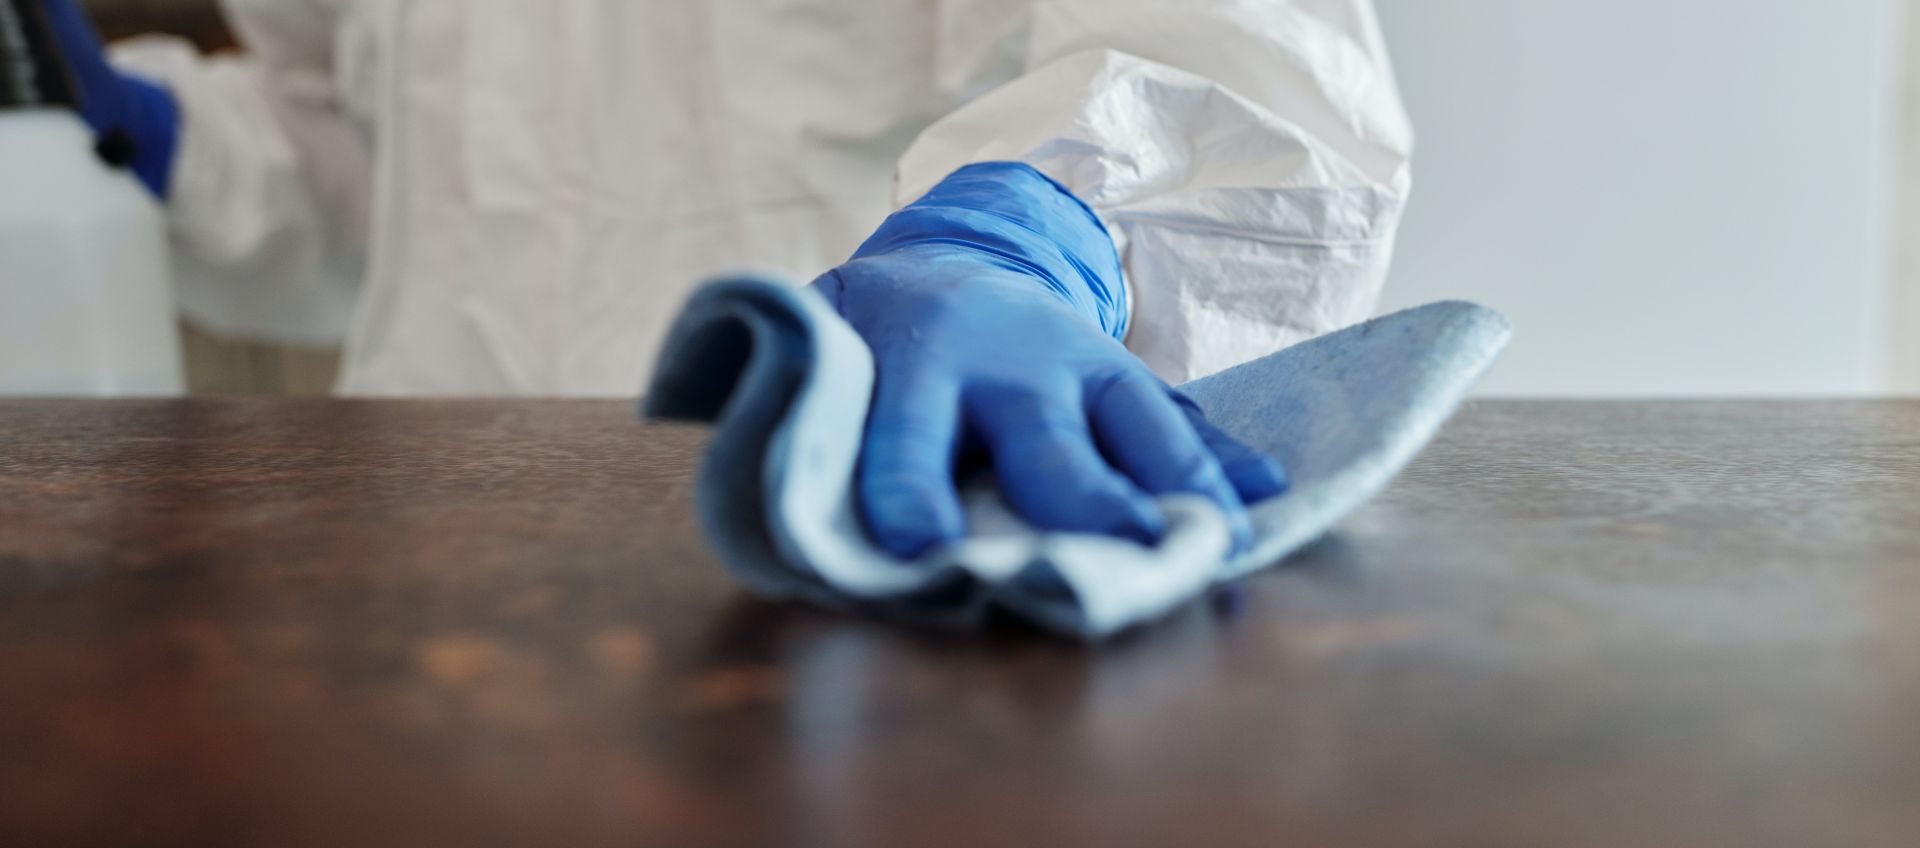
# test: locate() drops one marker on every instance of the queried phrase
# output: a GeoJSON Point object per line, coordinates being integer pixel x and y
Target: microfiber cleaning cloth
{"type": "Point", "coordinates": [787, 384]}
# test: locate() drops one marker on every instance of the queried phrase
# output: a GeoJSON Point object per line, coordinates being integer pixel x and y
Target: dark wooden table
{"type": "Point", "coordinates": [407, 624]}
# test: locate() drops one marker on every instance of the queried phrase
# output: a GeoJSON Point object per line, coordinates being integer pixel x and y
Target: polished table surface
{"type": "Point", "coordinates": [478, 623]}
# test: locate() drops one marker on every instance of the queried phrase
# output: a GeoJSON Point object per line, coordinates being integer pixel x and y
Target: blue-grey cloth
{"type": "Point", "coordinates": [787, 383]}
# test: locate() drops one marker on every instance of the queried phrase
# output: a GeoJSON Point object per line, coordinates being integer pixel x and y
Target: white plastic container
{"type": "Point", "coordinates": [86, 303]}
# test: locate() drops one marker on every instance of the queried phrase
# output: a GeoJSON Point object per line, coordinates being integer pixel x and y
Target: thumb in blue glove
{"type": "Point", "coordinates": [994, 310]}
{"type": "Point", "coordinates": [137, 121]}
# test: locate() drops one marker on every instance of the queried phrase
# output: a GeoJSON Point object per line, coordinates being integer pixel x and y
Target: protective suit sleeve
{"type": "Point", "coordinates": [270, 190]}
{"type": "Point", "coordinates": [1250, 158]}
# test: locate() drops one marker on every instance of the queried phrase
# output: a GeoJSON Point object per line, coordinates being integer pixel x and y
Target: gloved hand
{"type": "Point", "coordinates": [137, 121]}
{"type": "Point", "coordinates": [994, 310]}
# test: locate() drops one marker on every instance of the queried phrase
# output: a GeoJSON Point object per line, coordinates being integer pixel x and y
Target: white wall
{"type": "Point", "coordinates": [1904, 313]}
{"type": "Point", "coordinates": [1668, 196]}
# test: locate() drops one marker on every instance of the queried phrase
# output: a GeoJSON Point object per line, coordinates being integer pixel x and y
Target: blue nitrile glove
{"type": "Point", "coordinates": [994, 308]}
{"type": "Point", "coordinates": [138, 121]}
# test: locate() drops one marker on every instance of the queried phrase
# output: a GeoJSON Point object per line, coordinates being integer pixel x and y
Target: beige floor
{"type": "Point", "coordinates": [217, 366]}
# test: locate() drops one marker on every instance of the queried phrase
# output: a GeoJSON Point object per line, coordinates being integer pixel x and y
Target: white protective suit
{"type": "Point", "coordinates": [504, 196]}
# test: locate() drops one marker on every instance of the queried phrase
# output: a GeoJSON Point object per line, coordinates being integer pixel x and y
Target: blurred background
{"type": "Point", "coordinates": [217, 365]}
{"type": "Point", "coordinates": [1670, 197]}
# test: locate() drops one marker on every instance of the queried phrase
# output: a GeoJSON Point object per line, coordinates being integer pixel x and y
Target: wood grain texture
{"type": "Point", "coordinates": [326, 622]}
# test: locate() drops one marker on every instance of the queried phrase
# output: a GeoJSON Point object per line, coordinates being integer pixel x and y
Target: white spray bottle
{"type": "Point", "coordinates": [86, 299]}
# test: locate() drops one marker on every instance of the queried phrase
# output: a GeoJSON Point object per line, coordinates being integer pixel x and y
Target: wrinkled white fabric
{"type": "Point", "coordinates": [530, 190]}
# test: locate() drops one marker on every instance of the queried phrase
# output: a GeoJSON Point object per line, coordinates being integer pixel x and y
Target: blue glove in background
{"type": "Point", "coordinates": [994, 309]}
{"type": "Point", "coordinates": [138, 122]}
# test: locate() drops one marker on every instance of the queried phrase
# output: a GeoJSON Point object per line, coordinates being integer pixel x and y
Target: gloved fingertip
{"type": "Point", "coordinates": [1239, 525]}
{"type": "Point", "coordinates": [908, 519]}
{"type": "Point", "coordinates": [911, 541]}
{"type": "Point", "coordinates": [1241, 528]}
{"type": "Point", "coordinates": [1142, 521]}
{"type": "Point", "coordinates": [1258, 478]}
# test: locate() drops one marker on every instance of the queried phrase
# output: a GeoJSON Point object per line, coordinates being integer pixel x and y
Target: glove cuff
{"type": "Point", "coordinates": [138, 124]}
{"type": "Point", "coordinates": [1022, 219]}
